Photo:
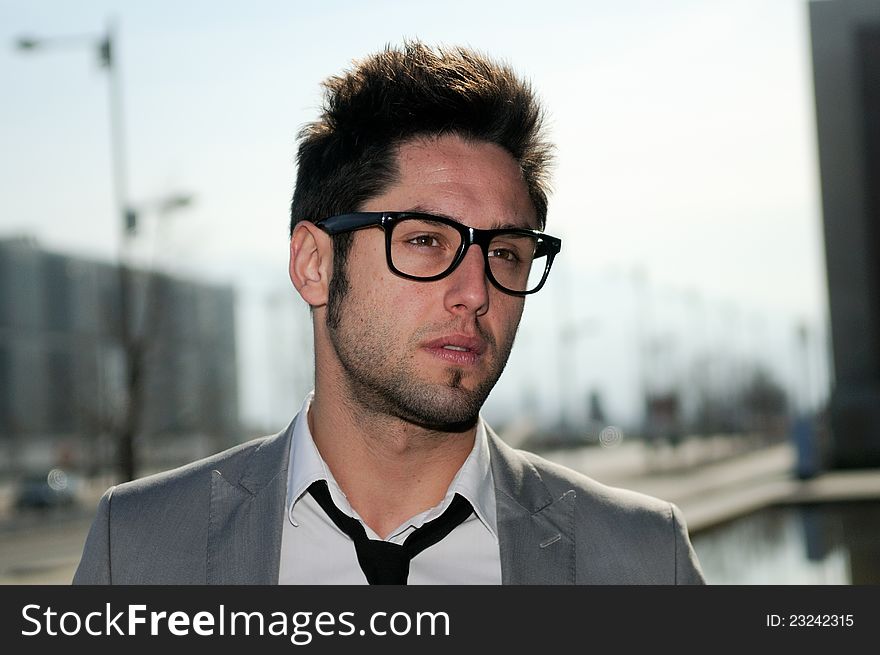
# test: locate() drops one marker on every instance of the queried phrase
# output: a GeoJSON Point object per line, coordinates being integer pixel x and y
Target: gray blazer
{"type": "Point", "coordinates": [219, 521]}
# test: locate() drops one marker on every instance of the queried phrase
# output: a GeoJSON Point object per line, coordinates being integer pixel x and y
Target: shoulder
{"type": "Point", "coordinates": [535, 480]}
{"type": "Point", "coordinates": [560, 479]}
{"type": "Point", "coordinates": [250, 465]}
{"type": "Point", "coordinates": [230, 463]}
{"type": "Point", "coordinates": [622, 536]}
{"type": "Point", "coordinates": [154, 530]}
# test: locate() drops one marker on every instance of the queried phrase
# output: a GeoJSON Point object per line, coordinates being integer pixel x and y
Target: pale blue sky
{"type": "Point", "coordinates": [685, 132]}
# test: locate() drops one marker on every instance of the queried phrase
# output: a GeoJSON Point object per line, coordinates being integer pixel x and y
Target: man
{"type": "Point", "coordinates": [416, 234]}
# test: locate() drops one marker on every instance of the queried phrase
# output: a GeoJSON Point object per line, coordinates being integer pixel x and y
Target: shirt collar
{"type": "Point", "coordinates": [306, 464]}
{"type": "Point", "coordinates": [473, 480]}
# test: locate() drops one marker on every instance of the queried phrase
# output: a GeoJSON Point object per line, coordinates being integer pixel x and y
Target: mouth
{"type": "Point", "coordinates": [456, 349]}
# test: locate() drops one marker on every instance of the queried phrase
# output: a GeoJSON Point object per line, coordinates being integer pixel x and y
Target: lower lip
{"type": "Point", "coordinates": [459, 357]}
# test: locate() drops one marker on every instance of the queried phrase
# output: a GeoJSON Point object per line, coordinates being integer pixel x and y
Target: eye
{"type": "Point", "coordinates": [504, 254]}
{"type": "Point", "coordinates": [424, 240]}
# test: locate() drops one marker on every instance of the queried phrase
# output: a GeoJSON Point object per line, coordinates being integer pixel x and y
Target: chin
{"type": "Point", "coordinates": [441, 407]}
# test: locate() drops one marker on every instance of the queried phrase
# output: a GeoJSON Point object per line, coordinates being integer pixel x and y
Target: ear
{"type": "Point", "coordinates": [311, 262]}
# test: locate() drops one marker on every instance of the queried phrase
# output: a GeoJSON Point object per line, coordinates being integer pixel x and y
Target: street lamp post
{"type": "Point", "coordinates": [105, 46]}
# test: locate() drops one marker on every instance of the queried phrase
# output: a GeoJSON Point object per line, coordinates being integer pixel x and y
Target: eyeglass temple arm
{"type": "Point", "coordinates": [348, 222]}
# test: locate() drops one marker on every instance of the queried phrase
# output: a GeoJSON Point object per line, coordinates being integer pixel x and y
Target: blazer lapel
{"type": "Point", "coordinates": [535, 529]}
{"type": "Point", "coordinates": [246, 514]}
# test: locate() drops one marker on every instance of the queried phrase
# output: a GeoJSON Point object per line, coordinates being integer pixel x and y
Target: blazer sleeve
{"type": "Point", "coordinates": [687, 566]}
{"type": "Point", "coordinates": [94, 566]}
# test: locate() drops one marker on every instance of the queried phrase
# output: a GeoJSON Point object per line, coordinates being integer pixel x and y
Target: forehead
{"type": "Point", "coordinates": [476, 182]}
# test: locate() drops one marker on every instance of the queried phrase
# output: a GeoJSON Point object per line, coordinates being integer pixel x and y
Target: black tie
{"type": "Point", "coordinates": [384, 562]}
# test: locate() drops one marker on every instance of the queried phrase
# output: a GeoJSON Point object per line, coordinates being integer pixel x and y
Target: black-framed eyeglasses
{"type": "Point", "coordinates": [425, 247]}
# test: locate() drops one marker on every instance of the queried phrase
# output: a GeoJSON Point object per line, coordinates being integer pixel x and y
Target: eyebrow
{"type": "Point", "coordinates": [502, 226]}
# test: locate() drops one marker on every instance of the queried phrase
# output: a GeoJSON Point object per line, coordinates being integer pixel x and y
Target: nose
{"type": "Point", "coordinates": [468, 288]}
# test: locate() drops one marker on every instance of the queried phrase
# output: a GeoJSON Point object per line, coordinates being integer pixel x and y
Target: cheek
{"type": "Point", "coordinates": [387, 299]}
{"type": "Point", "coordinates": [367, 269]}
{"type": "Point", "coordinates": [406, 301]}
{"type": "Point", "coordinates": [509, 313]}
{"type": "Point", "coordinates": [372, 261]}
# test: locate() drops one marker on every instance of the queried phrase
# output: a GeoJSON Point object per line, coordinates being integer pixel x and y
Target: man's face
{"type": "Point", "coordinates": [430, 352]}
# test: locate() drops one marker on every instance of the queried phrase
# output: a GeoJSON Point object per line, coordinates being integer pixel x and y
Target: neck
{"type": "Point", "coordinates": [389, 469]}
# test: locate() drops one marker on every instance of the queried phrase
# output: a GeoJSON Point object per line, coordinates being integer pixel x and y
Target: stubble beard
{"type": "Point", "coordinates": [383, 379]}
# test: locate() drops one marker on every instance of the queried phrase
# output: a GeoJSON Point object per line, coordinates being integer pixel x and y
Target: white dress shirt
{"type": "Point", "coordinates": [315, 551]}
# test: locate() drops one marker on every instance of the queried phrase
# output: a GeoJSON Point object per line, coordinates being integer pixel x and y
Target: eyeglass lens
{"type": "Point", "coordinates": [424, 248]}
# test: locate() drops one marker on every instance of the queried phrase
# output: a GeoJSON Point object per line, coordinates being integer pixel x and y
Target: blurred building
{"type": "Point", "coordinates": [63, 362]}
{"type": "Point", "coordinates": [846, 67]}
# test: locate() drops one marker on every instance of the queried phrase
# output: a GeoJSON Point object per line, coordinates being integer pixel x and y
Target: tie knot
{"type": "Point", "coordinates": [383, 562]}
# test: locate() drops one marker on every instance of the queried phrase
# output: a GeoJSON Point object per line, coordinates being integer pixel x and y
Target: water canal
{"type": "Point", "coordinates": [827, 543]}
